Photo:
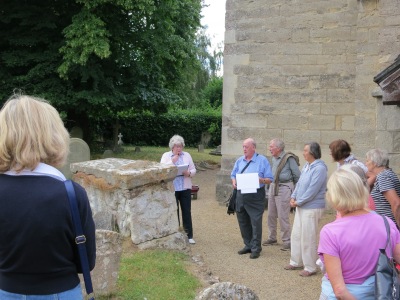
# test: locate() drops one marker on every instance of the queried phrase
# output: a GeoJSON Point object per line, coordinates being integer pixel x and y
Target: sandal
{"type": "Point", "coordinates": [292, 268]}
{"type": "Point", "coordinates": [305, 273]}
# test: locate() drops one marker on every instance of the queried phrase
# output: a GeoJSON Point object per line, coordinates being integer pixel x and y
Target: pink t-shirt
{"type": "Point", "coordinates": [356, 240]}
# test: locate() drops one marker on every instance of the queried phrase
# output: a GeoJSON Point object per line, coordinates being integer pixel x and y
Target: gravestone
{"type": "Point", "coordinates": [205, 138]}
{"type": "Point", "coordinates": [200, 148]}
{"type": "Point", "coordinates": [216, 151]}
{"type": "Point", "coordinates": [118, 147]}
{"type": "Point", "coordinates": [108, 153]}
{"type": "Point", "coordinates": [78, 152]}
{"type": "Point", "coordinates": [76, 132]}
{"type": "Point", "coordinates": [120, 142]}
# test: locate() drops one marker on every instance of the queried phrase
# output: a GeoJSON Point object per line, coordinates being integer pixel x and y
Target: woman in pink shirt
{"type": "Point", "coordinates": [350, 264]}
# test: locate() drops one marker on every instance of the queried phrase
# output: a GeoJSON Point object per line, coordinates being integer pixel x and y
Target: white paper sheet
{"type": "Point", "coordinates": [247, 183]}
{"type": "Point", "coordinates": [182, 168]}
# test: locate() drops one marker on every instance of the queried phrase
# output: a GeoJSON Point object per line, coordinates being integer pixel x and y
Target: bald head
{"type": "Point", "coordinates": [249, 148]}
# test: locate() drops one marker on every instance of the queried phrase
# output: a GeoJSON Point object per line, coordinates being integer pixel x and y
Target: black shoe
{"type": "Point", "coordinates": [244, 251]}
{"type": "Point", "coordinates": [254, 255]}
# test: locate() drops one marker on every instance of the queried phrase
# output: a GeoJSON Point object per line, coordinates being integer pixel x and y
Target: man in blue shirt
{"type": "Point", "coordinates": [250, 206]}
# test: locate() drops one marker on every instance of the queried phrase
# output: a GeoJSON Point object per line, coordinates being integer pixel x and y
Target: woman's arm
{"type": "Point", "coordinates": [334, 270]}
{"type": "Point", "coordinates": [394, 200]}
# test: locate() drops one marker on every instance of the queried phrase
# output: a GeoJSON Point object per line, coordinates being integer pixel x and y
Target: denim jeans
{"type": "Point", "coordinates": [364, 291]}
{"type": "Point", "coordinates": [73, 294]}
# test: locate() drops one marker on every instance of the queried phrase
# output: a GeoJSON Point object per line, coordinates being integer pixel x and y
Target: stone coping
{"type": "Point", "coordinates": [126, 173]}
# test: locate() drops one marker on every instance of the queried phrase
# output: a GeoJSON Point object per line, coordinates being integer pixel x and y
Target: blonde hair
{"type": "Point", "coordinates": [31, 131]}
{"type": "Point", "coordinates": [346, 191]}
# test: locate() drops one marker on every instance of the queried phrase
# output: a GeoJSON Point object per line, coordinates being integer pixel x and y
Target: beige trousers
{"type": "Point", "coordinates": [304, 238]}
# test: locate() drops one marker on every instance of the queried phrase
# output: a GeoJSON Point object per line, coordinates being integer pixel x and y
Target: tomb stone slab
{"type": "Point", "coordinates": [78, 151]}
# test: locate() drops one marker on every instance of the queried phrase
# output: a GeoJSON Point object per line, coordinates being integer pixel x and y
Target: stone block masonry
{"type": "Point", "coordinates": [304, 71]}
{"type": "Point", "coordinates": [136, 194]}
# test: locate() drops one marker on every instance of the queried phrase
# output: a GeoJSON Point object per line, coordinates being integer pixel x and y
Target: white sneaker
{"type": "Point", "coordinates": [191, 241]}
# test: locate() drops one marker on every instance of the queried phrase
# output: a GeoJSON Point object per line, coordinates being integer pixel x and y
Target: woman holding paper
{"type": "Point", "coordinates": [183, 182]}
{"type": "Point", "coordinates": [309, 199]}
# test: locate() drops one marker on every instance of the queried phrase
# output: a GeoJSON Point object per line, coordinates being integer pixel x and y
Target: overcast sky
{"type": "Point", "coordinates": [214, 18]}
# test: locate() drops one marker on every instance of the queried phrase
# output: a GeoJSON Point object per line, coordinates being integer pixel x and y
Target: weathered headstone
{"type": "Point", "coordinates": [216, 151]}
{"type": "Point", "coordinates": [76, 132]}
{"type": "Point", "coordinates": [78, 151]}
{"type": "Point", "coordinates": [120, 142]}
{"type": "Point", "coordinates": [108, 154]}
{"type": "Point", "coordinates": [200, 148]}
{"type": "Point", "coordinates": [205, 138]}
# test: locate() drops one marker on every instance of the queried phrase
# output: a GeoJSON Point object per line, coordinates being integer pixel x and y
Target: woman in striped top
{"type": "Point", "coordinates": [386, 190]}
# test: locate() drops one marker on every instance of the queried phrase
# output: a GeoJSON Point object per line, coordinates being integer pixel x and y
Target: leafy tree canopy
{"type": "Point", "coordinates": [94, 58]}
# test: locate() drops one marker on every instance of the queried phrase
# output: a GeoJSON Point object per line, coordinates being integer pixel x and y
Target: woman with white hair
{"type": "Point", "coordinates": [386, 190]}
{"type": "Point", "coordinates": [182, 183]}
{"type": "Point", "coordinates": [349, 246]}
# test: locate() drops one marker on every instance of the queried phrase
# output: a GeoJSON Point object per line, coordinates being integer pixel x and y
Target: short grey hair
{"type": "Point", "coordinates": [278, 143]}
{"type": "Point", "coordinates": [252, 141]}
{"type": "Point", "coordinates": [315, 149]}
{"type": "Point", "coordinates": [176, 140]}
{"type": "Point", "coordinates": [356, 169]}
{"type": "Point", "coordinates": [379, 157]}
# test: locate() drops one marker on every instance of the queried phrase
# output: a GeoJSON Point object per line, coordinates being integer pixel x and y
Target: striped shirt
{"type": "Point", "coordinates": [385, 181]}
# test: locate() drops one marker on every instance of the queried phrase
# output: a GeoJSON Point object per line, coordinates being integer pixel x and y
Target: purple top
{"type": "Point", "coordinates": [356, 240]}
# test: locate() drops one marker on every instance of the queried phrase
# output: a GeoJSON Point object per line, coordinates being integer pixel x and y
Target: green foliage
{"type": "Point", "coordinates": [156, 274]}
{"type": "Point", "coordinates": [95, 58]}
{"type": "Point", "coordinates": [213, 92]}
{"type": "Point", "coordinates": [156, 129]}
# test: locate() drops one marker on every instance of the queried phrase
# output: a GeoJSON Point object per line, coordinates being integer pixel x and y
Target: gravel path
{"type": "Point", "coordinates": [218, 239]}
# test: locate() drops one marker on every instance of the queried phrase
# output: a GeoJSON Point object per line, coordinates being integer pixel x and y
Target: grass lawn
{"type": "Point", "coordinates": [155, 153]}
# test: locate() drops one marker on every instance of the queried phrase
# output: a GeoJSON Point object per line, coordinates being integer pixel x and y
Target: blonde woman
{"type": "Point", "coordinates": [350, 264]}
{"type": "Point", "coordinates": [38, 255]}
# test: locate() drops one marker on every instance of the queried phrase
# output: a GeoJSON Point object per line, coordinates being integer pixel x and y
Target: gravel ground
{"type": "Point", "coordinates": [218, 239]}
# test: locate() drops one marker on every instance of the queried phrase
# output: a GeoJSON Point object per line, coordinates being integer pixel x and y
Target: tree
{"type": "Point", "coordinates": [213, 92]}
{"type": "Point", "coordinates": [95, 58]}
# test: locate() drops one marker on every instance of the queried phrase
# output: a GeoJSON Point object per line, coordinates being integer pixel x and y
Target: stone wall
{"type": "Point", "coordinates": [303, 71]}
{"type": "Point", "coordinates": [135, 196]}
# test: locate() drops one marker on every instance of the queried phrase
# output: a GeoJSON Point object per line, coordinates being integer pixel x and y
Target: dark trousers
{"type": "Point", "coordinates": [184, 200]}
{"type": "Point", "coordinates": [249, 212]}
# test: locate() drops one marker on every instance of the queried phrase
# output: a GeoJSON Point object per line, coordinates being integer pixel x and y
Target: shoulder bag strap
{"type": "Point", "coordinates": [80, 238]}
{"type": "Point", "coordinates": [245, 167]}
{"type": "Point", "coordinates": [388, 234]}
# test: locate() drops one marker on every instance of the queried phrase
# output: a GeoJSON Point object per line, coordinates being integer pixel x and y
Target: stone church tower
{"type": "Point", "coordinates": [303, 70]}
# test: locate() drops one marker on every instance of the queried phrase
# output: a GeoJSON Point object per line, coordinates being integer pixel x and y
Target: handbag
{"type": "Point", "coordinates": [80, 239]}
{"type": "Point", "coordinates": [231, 203]}
{"type": "Point", "coordinates": [386, 276]}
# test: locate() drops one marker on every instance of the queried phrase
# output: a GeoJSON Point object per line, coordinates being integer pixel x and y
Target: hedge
{"type": "Point", "coordinates": [148, 129]}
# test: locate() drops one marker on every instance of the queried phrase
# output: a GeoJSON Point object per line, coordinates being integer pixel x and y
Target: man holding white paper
{"type": "Point", "coordinates": [249, 175]}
